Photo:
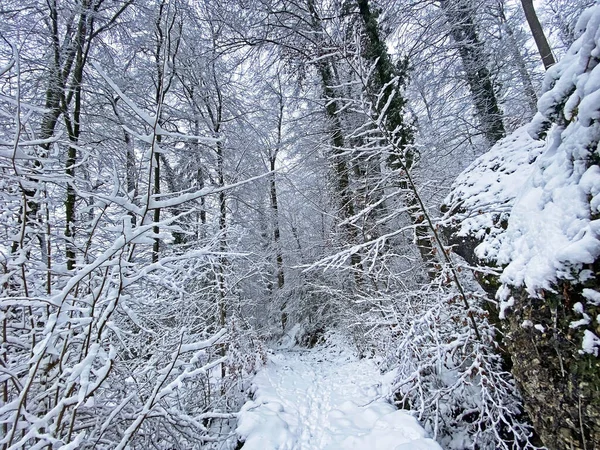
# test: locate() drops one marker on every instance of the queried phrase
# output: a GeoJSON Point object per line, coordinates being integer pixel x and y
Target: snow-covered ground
{"type": "Point", "coordinates": [325, 398]}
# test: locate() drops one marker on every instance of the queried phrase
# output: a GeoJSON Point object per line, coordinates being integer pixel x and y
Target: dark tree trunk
{"type": "Point", "coordinates": [538, 34]}
{"type": "Point", "coordinates": [337, 143]}
{"type": "Point", "coordinates": [156, 217]}
{"type": "Point", "coordinates": [401, 133]}
{"type": "Point", "coordinates": [221, 286]}
{"type": "Point", "coordinates": [459, 14]}
{"type": "Point", "coordinates": [200, 178]}
{"type": "Point", "coordinates": [376, 51]}
{"type": "Point", "coordinates": [74, 130]}
{"type": "Point", "coordinates": [275, 210]}
{"type": "Point", "coordinates": [165, 52]}
{"type": "Point", "coordinates": [61, 69]}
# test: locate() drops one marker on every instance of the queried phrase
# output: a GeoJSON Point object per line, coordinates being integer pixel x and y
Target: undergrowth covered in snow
{"type": "Point", "coordinates": [457, 384]}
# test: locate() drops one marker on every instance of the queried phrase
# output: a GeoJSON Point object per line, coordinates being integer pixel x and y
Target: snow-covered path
{"type": "Point", "coordinates": [325, 398]}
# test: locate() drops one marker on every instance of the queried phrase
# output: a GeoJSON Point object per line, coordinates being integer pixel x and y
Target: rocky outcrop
{"type": "Point", "coordinates": [477, 209]}
{"type": "Point", "coordinates": [535, 211]}
{"type": "Point", "coordinates": [559, 382]}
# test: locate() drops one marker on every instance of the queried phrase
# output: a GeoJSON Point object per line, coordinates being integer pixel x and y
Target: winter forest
{"type": "Point", "coordinates": [299, 224]}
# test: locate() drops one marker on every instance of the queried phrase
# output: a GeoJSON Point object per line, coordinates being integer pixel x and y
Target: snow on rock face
{"type": "Point", "coordinates": [553, 227]}
{"type": "Point", "coordinates": [325, 398]}
{"type": "Point", "coordinates": [547, 241]}
{"type": "Point", "coordinates": [534, 205]}
{"type": "Point", "coordinates": [483, 195]}
{"type": "Point", "coordinates": [533, 201]}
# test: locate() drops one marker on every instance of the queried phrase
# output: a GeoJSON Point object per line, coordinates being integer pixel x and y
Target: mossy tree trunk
{"type": "Point", "coordinates": [463, 30]}
{"type": "Point", "coordinates": [402, 132]}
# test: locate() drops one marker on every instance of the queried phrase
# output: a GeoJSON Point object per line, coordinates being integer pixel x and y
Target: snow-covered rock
{"type": "Point", "coordinates": [482, 197]}
{"type": "Point", "coordinates": [554, 228]}
{"type": "Point", "coordinates": [533, 204]}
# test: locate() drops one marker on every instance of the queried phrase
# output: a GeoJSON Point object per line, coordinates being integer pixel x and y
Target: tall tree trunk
{"type": "Point", "coordinates": [156, 217]}
{"type": "Point", "coordinates": [159, 95]}
{"type": "Point", "coordinates": [200, 180]}
{"type": "Point", "coordinates": [223, 235]}
{"type": "Point", "coordinates": [73, 125]}
{"type": "Point", "coordinates": [538, 34]}
{"type": "Point", "coordinates": [337, 144]}
{"type": "Point", "coordinates": [217, 118]}
{"type": "Point", "coordinates": [459, 14]}
{"type": "Point", "coordinates": [73, 49]}
{"type": "Point", "coordinates": [275, 209]}
{"type": "Point", "coordinates": [61, 68]}
{"type": "Point", "coordinates": [385, 72]}
{"type": "Point", "coordinates": [376, 52]}
{"type": "Point", "coordinates": [165, 53]}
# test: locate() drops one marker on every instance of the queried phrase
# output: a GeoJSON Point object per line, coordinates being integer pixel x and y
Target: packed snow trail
{"type": "Point", "coordinates": [325, 398]}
